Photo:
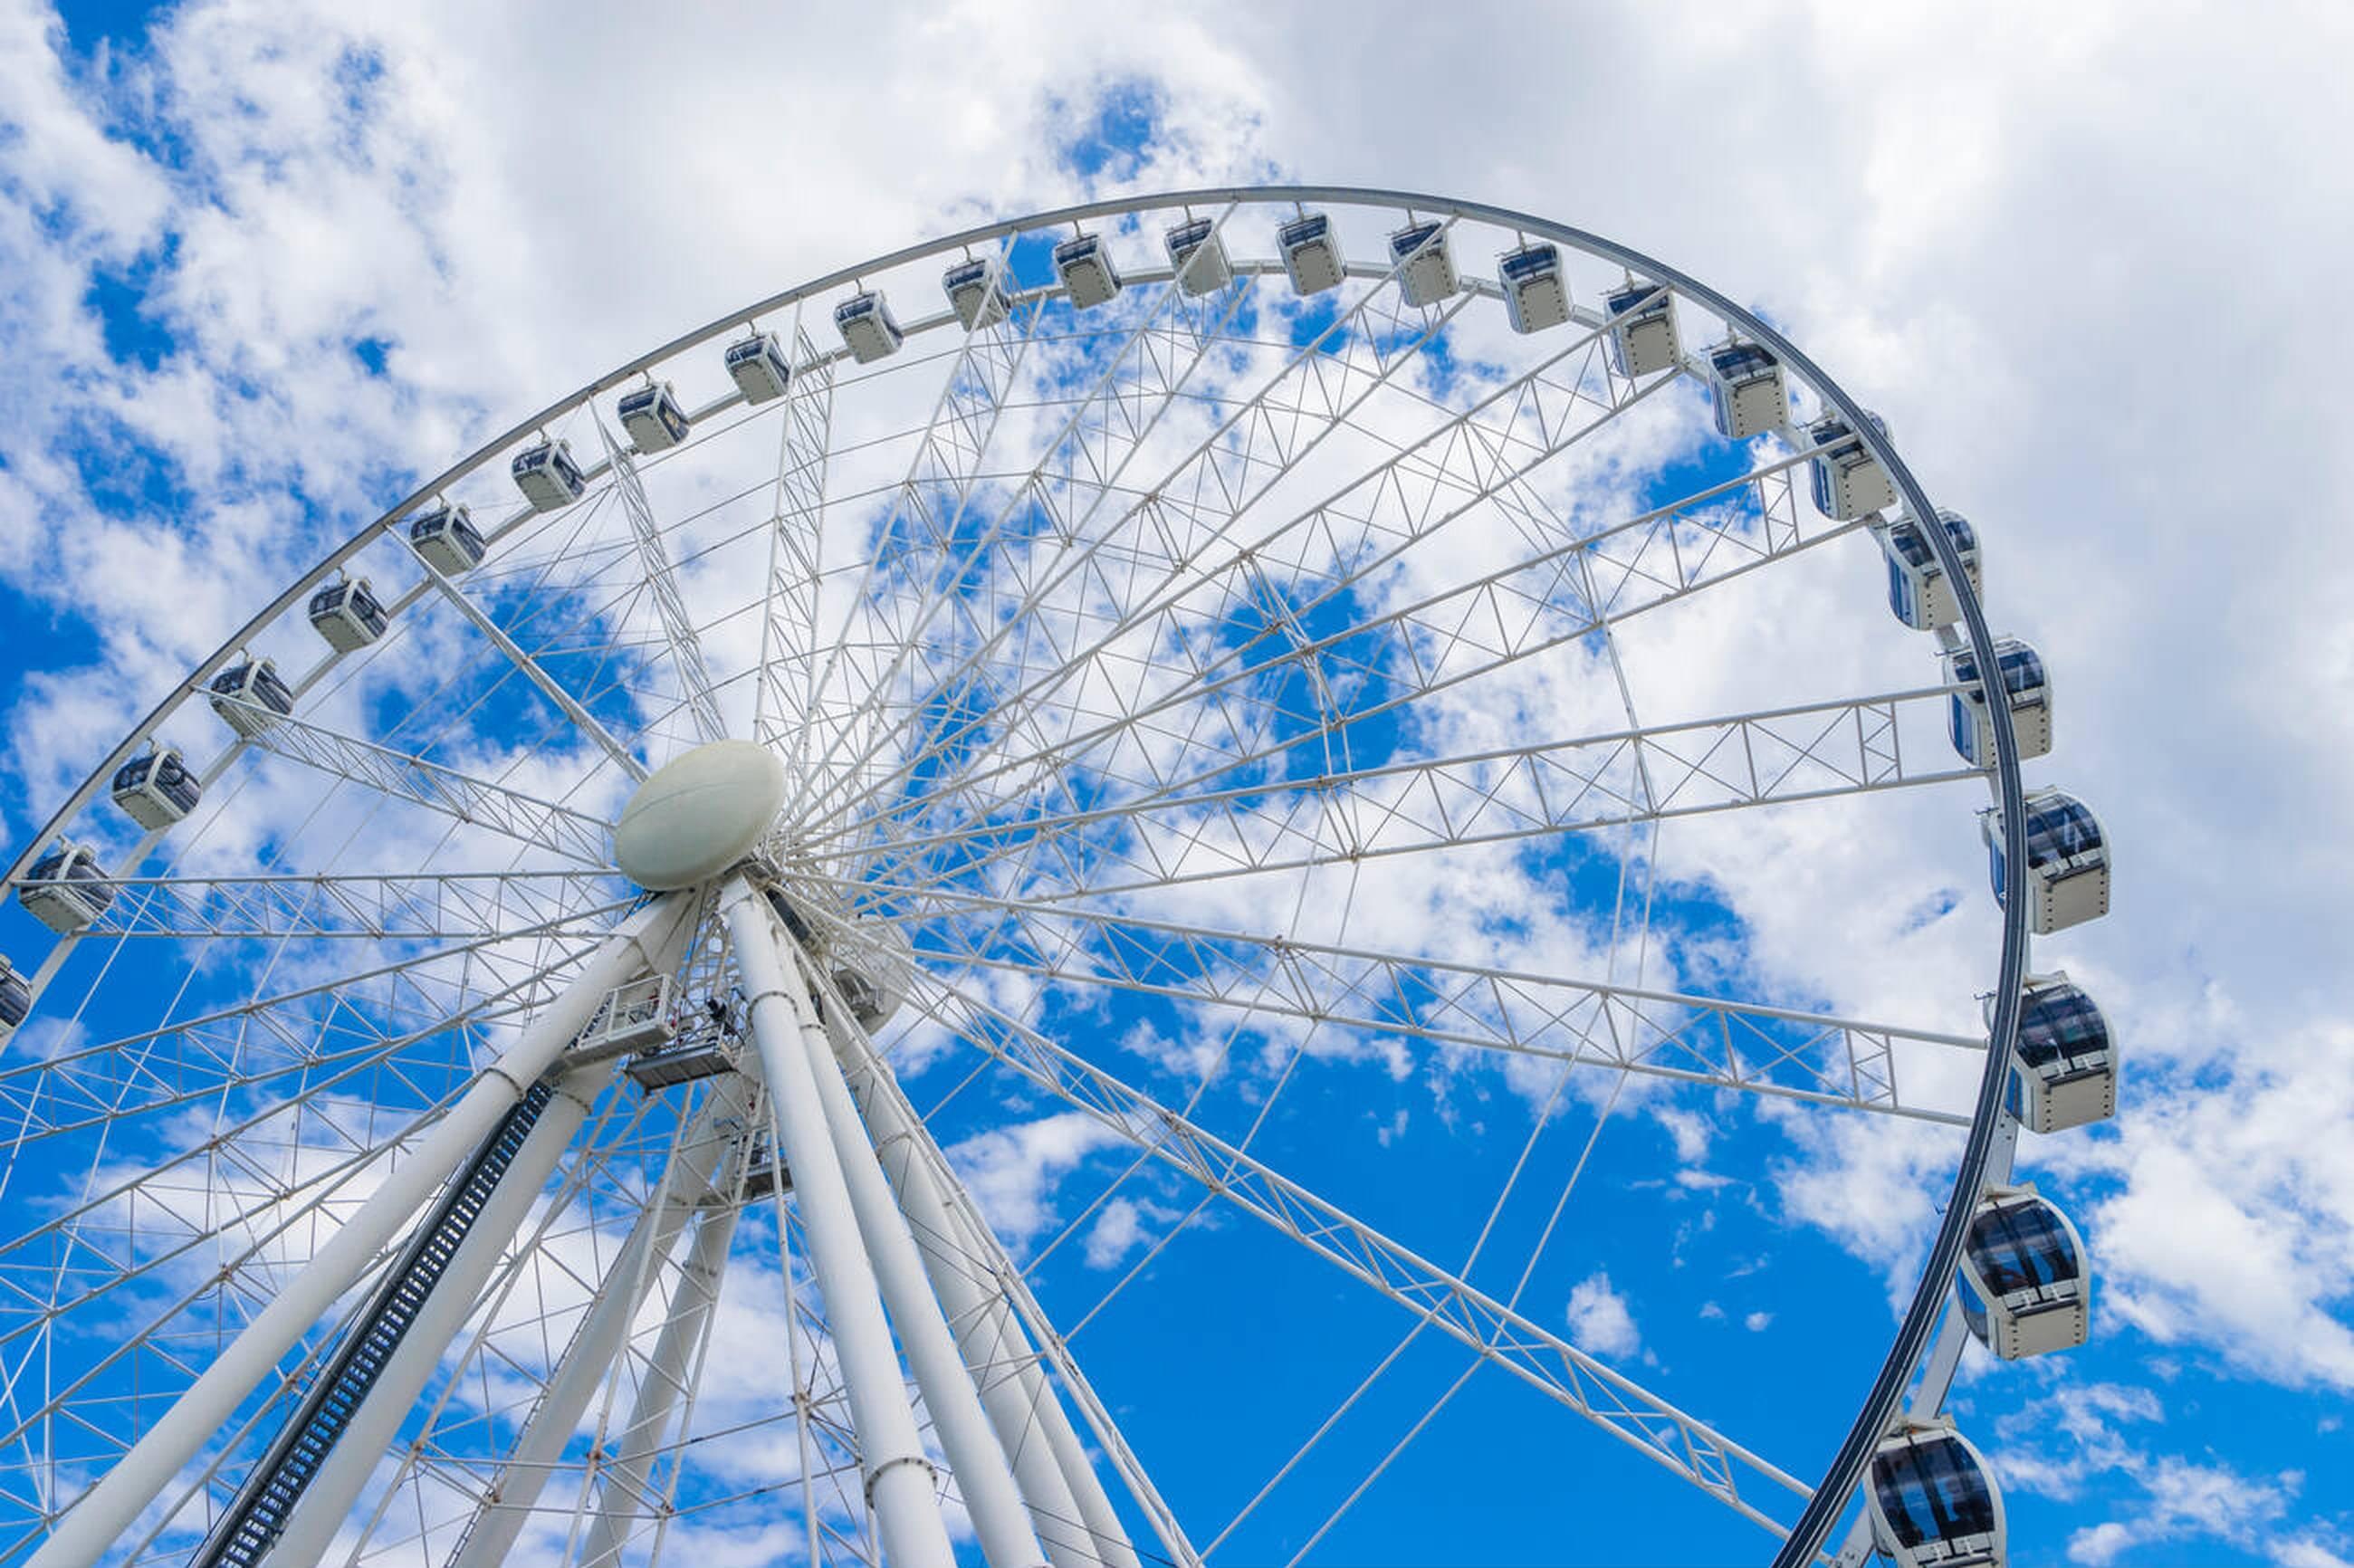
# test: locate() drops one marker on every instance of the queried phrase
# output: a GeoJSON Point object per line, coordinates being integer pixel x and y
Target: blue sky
{"type": "Point", "coordinates": [263, 268]}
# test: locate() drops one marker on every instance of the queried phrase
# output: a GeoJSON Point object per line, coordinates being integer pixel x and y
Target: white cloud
{"type": "Point", "coordinates": [1599, 1320]}
{"type": "Point", "coordinates": [2025, 268]}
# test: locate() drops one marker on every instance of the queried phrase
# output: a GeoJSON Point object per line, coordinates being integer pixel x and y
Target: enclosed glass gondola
{"type": "Point", "coordinates": [1848, 480]}
{"type": "Point", "coordinates": [977, 292]}
{"type": "Point", "coordinates": [1082, 265]}
{"type": "Point", "coordinates": [1311, 253]}
{"type": "Point", "coordinates": [249, 697]}
{"type": "Point", "coordinates": [15, 998]}
{"type": "Point", "coordinates": [1643, 339]}
{"type": "Point", "coordinates": [548, 477]}
{"type": "Point", "coordinates": [1425, 268]}
{"type": "Point", "coordinates": [2026, 690]}
{"type": "Point", "coordinates": [652, 417]}
{"type": "Point", "coordinates": [1746, 384]}
{"type": "Point", "coordinates": [2067, 880]}
{"type": "Point", "coordinates": [2025, 1287]}
{"type": "Point", "coordinates": [866, 326]}
{"type": "Point", "coordinates": [1932, 1503]}
{"type": "Point", "coordinates": [1199, 257]}
{"type": "Point", "coordinates": [447, 540]}
{"type": "Point", "coordinates": [1536, 295]}
{"type": "Point", "coordinates": [1918, 593]}
{"type": "Point", "coordinates": [348, 615]}
{"type": "Point", "coordinates": [759, 367]}
{"type": "Point", "coordinates": [2064, 1064]}
{"type": "Point", "coordinates": [158, 789]}
{"type": "Point", "coordinates": [67, 888]}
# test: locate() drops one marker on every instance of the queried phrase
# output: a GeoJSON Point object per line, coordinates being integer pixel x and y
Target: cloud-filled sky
{"type": "Point", "coordinates": [261, 265]}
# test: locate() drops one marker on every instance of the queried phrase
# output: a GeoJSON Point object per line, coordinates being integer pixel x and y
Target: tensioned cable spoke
{"type": "Point", "coordinates": [1444, 639]}
{"type": "Point", "coordinates": [897, 590]}
{"type": "Point", "coordinates": [1055, 503]}
{"type": "Point", "coordinates": [1193, 506]}
{"type": "Point", "coordinates": [662, 581]}
{"type": "Point", "coordinates": [557, 829]}
{"type": "Point", "coordinates": [307, 1028]}
{"type": "Point", "coordinates": [1726, 1044]}
{"type": "Point", "coordinates": [532, 670]}
{"type": "Point", "coordinates": [1645, 1422]}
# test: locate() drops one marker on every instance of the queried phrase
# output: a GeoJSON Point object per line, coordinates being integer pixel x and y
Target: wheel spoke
{"type": "Point", "coordinates": [1190, 508]}
{"type": "Point", "coordinates": [1531, 1353]}
{"type": "Point", "coordinates": [358, 907]}
{"type": "Point", "coordinates": [1736, 1045]}
{"type": "Point", "coordinates": [1179, 832]}
{"type": "Point", "coordinates": [662, 580]}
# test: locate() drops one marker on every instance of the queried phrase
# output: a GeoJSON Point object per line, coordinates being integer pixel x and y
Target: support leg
{"type": "Point", "coordinates": [587, 1359]}
{"type": "Point", "coordinates": [1074, 1515]}
{"type": "Point", "coordinates": [899, 1480]}
{"type": "Point", "coordinates": [120, 1496]}
{"type": "Point", "coordinates": [985, 1478]}
{"type": "Point", "coordinates": [641, 1441]}
{"type": "Point", "coordinates": [332, 1492]}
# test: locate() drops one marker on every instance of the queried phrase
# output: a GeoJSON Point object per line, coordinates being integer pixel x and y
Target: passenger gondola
{"type": "Point", "coordinates": [548, 477]}
{"type": "Point", "coordinates": [67, 888]}
{"type": "Point", "coordinates": [759, 367]}
{"type": "Point", "coordinates": [1747, 395]}
{"type": "Point", "coordinates": [158, 789]}
{"type": "Point", "coordinates": [1536, 296]}
{"type": "Point", "coordinates": [249, 697]}
{"type": "Point", "coordinates": [652, 418]}
{"type": "Point", "coordinates": [1918, 593]}
{"type": "Point", "coordinates": [2025, 1287]}
{"type": "Point", "coordinates": [977, 292]}
{"type": "Point", "coordinates": [2067, 880]}
{"type": "Point", "coordinates": [866, 326]}
{"type": "Point", "coordinates": [2027, 691]}
{"type": "Point", "coordinates": [1643, 339]}
{"type": "Point", "coordinates": [1199, 257]}
{"type": "Point", "coordinates": [1933, 1504]}
{"type": "Point", "coordinates": [1083, 264]}
{"type": "Point", "coordinates": [1425, 268]}
{"type": "Point", "coordinates": [15, 998]}
{"type": "Point", "coordinates": [1311, 253]}
{"type": "Point", "coordinates": [2064, 1062]}
{"type": "Point", "coordinates": [447, 540]}
{"type": "Point", "coordinates": [1848, 480]}
{"type": "Point", "coordinates": [348, 615]}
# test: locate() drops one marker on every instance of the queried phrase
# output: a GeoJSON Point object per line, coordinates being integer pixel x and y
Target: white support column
{"type": "Point", "coordinates": [586, 1360]}
{"type": "Point", "coordinates": [1075, 1516]}
{"type": "Point", "coordinates": [985, 1478]}
{"type": "Point", "coordinates": [120, 1496]}
{"type": "Point", "coordinates": [899, 1480]}
{"type": "Point", "coordinates": [329, 1498]}
{"type": "Point", "coordinates": [681, 1331]}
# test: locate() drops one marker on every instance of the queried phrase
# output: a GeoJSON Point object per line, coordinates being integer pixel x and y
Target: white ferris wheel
{"type": "Point", "coordinates": [524, 1030]}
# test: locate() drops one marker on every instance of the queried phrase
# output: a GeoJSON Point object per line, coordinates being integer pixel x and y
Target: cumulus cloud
{"type": "Point", "coordinates": [1599, 1319]}
{"type": "Point", "coordinates": [290, 195]}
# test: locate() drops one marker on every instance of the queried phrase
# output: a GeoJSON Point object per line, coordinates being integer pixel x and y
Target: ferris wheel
{"type": "Point", "coordinates": [532, 1052]}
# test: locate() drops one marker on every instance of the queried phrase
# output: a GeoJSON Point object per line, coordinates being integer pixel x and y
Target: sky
{"type": "Point", "coordinates": [263, 263]}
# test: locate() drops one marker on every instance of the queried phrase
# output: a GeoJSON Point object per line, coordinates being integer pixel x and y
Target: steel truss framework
{"type": "Point", "coordinates": [1108, 651]}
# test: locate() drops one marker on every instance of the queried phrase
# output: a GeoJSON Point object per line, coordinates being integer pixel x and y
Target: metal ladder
{"type": "Point", "coordinates": [266, 1502]}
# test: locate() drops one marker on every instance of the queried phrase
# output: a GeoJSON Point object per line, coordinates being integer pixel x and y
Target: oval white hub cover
{"type": "Point", "coordinates": [698, 815]}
